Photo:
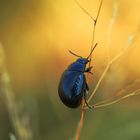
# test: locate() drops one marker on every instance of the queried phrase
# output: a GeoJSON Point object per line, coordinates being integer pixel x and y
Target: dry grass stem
{"type": "Point", "coordinates": [115, 11]}
{"type": "Point", "coordinates": [80, 124]}
{"type": "Point", "coordinates": [94, 23]}
{"type": "Point", "coordinates": [107, 103]}
{"type": "Point", "coordinates": [92, 45]}
{"type": "Point", "coordinates": [128, 43]}
{"type": "Point", "coordinates": [85, 11]}
{"type": "Point", "coordinates": [110, 62]}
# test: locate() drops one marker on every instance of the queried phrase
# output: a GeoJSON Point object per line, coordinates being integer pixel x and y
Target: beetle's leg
{"type": "Point", "coordinates": [89, 70]}
{"type": "Point", "coordinates": [87, 87]}
{"type": "Point", "coordinates": [90, 107]}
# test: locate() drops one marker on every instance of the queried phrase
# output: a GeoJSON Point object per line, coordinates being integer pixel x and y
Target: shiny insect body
{"type": "Point", "coordinates": [73, 85]}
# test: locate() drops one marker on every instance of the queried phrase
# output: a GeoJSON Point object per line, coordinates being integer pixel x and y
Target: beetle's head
{"type": "Point", "coordinates": [83, 60]}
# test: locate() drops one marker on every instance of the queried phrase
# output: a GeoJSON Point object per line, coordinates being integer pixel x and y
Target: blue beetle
{"type": "Point", "coordinates": [73, 86]}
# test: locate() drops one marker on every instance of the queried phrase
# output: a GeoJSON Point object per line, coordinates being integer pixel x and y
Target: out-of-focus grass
{"type": "Point", "coordinates": [36, 36]}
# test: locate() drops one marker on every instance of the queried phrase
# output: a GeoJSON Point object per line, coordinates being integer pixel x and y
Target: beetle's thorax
{"type": "Point", "coordinates": [78, 65]}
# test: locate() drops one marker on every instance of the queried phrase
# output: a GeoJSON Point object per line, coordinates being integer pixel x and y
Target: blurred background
{"type": "Point", "coordinates": [36, 36]}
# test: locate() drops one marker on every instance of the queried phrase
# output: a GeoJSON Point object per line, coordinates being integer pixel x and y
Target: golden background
{"type": "Point", "coordinates": [36, 37]}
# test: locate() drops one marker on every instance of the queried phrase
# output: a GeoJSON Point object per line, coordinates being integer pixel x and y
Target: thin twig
{"type": "Point", "coordinates": [95, 20]}
{"type": "Point", "coordinates": [110, 62]}
{"type": "Point", "coordinates": [115, 10]}
{"type": "Point", "coordinates": [128, 43]}
{"type": "Point", "coordinates": [94, 29]}
{"type": "Point", "coordinates": [92, 45]}
{"type": "Point", "coordinates": [84, 10]}
{"type": "Point", "coordinates": [107, 103]}
{"type": "Point", "coordinates": [80, 124]}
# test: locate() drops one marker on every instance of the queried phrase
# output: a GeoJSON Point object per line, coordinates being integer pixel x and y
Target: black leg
{"type": "Point", "coordinates": [88, 69]}
{"type": "Point", "coordinates": [90, 107]}
{"type": "Point", "coordinates": [87, 87]}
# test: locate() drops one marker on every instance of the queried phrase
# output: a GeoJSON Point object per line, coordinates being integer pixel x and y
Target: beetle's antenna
{"type": "Point", "coordinates": [92, 51]}
{"type": "Point", "coordinates": [74, 54]}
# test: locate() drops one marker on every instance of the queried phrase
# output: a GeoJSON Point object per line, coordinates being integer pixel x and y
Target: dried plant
{"type": "Point", "coordinates": [110, 62]}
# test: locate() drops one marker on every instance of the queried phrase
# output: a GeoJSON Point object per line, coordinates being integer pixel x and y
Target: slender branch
{"type": "Point", "coordinates": [92, 45]}
{"type": "Point", "coordinates": [80, 124]}
{"type": "Point", "coordinates": [99, 82]}
{"type": "Point", "coordinates": [94, 29]}
{"type": "Point", "coordinates": [95, 22]}
{"type": "Point", "coordinates": [110, 62]}
{"type": "Point", "coordinates": [115, 10]}
{"type": "Point", "coordinates": [85, 11]}
{"type": "Point", "coordinates": [107, 103]}
{"type": "Point", "coordinates": [128, 43]}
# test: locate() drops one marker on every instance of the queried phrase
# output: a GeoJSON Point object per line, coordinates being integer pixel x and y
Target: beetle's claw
{"type": "Point", "coordinates": [88, 69]}
{"type": "Point", "coordinates": [91, 72]}
{"type": "Point", "coordinates": [88, 106]}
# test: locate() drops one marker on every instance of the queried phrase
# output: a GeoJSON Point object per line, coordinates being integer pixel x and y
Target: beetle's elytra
{"type": "Point", "coordinates": [73, 85]}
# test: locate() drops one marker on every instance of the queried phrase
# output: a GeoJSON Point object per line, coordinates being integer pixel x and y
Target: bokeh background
{"type": "Point", "coordinates": [36, 36]}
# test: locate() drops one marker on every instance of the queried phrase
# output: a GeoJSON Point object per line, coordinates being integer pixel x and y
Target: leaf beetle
{"type": "Point", "coordinates": [73, 85]}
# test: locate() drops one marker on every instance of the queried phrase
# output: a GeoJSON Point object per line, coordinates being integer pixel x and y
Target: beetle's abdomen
{"type": "Point", "coordinates": [71, 88]}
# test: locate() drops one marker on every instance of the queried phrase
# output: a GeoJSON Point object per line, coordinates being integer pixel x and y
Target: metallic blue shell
{"type": "Point", "coordinates": [79, 65]}
{"type": "Point", "coordinates": [72, 83]}
{"type": "Point", "coordinates": [71, 88]}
